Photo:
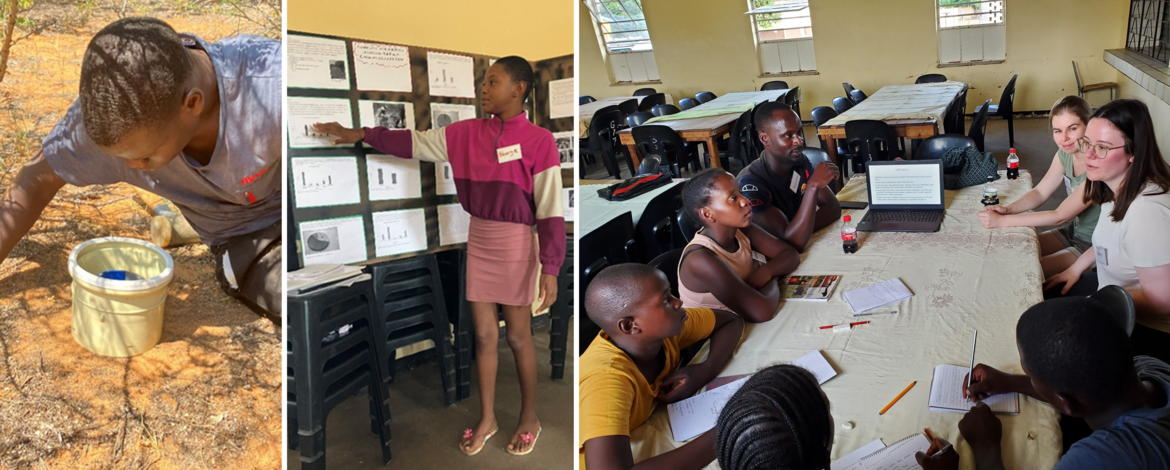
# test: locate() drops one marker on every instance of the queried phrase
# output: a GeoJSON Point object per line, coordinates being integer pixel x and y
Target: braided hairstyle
{"type": "Point", "coordinates": [696, 192]}
{"type": "Point", "coordinates": [778, 420]}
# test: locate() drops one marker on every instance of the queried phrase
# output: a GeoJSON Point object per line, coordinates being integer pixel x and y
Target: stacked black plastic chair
{"type": "Point", "coordinates": [561, 314]}
{"type": "Point", "coordinates": [333, 353]}
{"type": "Point", "coordinates": [408, 294]}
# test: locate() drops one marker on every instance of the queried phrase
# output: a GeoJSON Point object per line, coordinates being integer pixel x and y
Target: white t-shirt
{"type": "Point", "coordinates": [1137, 241]}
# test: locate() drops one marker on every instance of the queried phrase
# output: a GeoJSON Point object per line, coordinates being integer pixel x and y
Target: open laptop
{"type": "Point", "coordinates": [904, 196]}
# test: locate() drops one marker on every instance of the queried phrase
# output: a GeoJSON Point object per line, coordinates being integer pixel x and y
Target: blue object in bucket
{"type": "Point", "coordinates": [120, 275]}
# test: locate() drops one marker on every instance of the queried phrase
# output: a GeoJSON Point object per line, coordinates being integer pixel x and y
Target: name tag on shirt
{"type": "Point", "coordinates": [795, 182]}
{"type": "Point", "coordinates": [1102, 255]}
{"type": "Point", "coordinates": [509, 153]}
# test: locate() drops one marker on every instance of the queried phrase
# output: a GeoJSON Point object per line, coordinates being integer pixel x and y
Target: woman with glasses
{"type": "Point", "coordinates": [1131, 181]}
{"type": "Point", "coordinates": [1060, 247]}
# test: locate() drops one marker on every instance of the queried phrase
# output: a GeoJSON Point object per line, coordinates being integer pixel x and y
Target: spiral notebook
{"type": "Point", "coordinates": [897, 456]}
{"type": "Point", "coordinates": [946, 393]}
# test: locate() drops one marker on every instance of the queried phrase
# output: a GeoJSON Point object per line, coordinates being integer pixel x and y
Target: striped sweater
{"type": "Point", "coordinates": [523, 191]}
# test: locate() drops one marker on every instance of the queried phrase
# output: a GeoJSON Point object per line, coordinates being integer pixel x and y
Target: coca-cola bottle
{"type": "Point", "coordinates": [1013, 165]}
{"type": "Point", "coordinates": [849, 235]}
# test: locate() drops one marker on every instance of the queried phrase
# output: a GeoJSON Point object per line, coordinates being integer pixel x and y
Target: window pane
{"type": "Point", "coordinates": [971, 14]}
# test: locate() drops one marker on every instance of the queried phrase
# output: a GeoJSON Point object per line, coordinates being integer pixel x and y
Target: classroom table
{"type": "Point", "coordinates": [963, 277]}
{"type": "Point", "coordinates": [707, 129]}
{"type": "Point", "coordinates": [585, 111]}
{"type": "Point", "coordinates": [595, 211]}
{"type": "Point", "coordinates": [914, 111]}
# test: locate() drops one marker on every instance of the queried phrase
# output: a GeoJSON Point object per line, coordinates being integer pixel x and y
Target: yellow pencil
{"type": "Point", "coordinates": [899, 397]}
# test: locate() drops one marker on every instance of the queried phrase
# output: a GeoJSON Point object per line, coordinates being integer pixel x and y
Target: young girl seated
{"type": "Point", "coordinates": [1060, 247]}
{"type": "Point", "coordinates": [717, 270]}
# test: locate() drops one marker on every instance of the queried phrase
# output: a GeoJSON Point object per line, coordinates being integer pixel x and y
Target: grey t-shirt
{"type": "Point", "coordinates": [238, 191]}
{"type": "Point", "coordinates": [1138, 439]}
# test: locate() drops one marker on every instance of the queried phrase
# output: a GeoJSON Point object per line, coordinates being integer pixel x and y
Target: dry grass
{"type": "Point", "coordinates": [208, 396]}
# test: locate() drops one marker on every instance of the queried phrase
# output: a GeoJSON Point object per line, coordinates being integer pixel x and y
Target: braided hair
{"type": "Point", "coordinates": [778, 420]}
{"type": "Point", "coordinates": [696, 192]}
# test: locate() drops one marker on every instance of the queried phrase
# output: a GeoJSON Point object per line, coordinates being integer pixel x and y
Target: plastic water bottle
{"type": "Point", "coordinates": [849, 235]}
{"type": "Point", "coordinates": [1013, 165]}
{"type": "Point", "coordinates": [990, 192]}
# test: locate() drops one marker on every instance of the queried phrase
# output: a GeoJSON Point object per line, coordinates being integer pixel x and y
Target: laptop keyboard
{"type": "Point", "coordinates": [903, 216]}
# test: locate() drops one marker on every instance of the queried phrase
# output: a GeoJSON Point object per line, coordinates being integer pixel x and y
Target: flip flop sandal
{"type": "Point", "coordinates": [468, 433]}
{"type": "Point", "coordinates": [528, 438]}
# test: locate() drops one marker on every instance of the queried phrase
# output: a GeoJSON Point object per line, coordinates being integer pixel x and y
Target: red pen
{"type": "Point", "coordinates": [850, 325]}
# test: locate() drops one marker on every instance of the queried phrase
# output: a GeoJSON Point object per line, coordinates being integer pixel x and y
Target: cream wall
{"type": "Point", "coordinates": [700, 45]}
{"type": "Point", "coordinates": [1159, 110]}
{"type": "Point", "coordinates": [533, 29]}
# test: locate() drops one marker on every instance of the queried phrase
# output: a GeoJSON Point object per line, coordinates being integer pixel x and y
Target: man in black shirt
{"type": "Point", "coordinates": [789, 198]}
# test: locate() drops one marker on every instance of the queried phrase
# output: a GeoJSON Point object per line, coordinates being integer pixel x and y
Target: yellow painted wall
{"type": "Point", "coordinates": [533, 29]}
{"type": "Point", "coordinates": [701, 45]}
{"type": "Point", "coordinates": [1159, 110]}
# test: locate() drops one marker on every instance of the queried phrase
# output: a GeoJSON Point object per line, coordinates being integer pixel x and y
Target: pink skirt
{"type": "Point", "coordinates": [502, 262]}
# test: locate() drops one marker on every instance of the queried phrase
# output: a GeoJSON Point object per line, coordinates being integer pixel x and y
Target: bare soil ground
{"type": "Point", "coordinates": [209, 395]}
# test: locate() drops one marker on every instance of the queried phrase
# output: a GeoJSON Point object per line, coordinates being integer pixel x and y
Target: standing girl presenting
{"type": "Point", "coordinates": [508, 177]}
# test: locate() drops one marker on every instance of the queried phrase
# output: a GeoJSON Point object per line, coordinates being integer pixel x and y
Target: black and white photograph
{"type": "Point", "coordinates": [566, 141]}
{"type": "Point", "coordinates": [322, 240]}
{"type": "Point", "coordinates": [337, 69]}
{"type": "Point", "coordinates": [443, 114]}
{"type": "Point", "coordinates": [390, 115]}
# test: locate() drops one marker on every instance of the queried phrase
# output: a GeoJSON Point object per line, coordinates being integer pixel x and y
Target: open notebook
{"type": "Point", "coordinates": [896, 456]}
{"type": "Point", "coordinates": [946, 393]}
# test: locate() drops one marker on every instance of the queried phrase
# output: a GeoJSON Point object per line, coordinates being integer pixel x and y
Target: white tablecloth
{"type": "Point", "coordinates": [919, 101]}
{"type": "Point", "coordinates": [963, 277]}
{"type": "Point", "coordinates": [596, 211]}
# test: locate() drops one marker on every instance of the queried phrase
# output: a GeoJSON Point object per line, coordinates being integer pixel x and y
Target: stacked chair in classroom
{"type": "Point", "coordinates": [561, 314]}
{"type": "Point", "coordinates": [452, 272]}
{"type": "Point", "coordinates": [848, 90]}
{"type": "Point", "coordinates": [334, 351]}
{"type": "Point", "coordinates": [408, 294]}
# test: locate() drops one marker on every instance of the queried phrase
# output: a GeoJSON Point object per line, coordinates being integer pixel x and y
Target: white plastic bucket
{"type": "Point", "coordinates": [114, 317]}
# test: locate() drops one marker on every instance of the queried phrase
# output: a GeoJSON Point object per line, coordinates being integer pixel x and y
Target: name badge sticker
{"type": "Point", "coordinates": [509, 153]}
{"type": "Point", "coordinates": [795, 182]}
{"type": "Point", "coordinates": [1102, 255]}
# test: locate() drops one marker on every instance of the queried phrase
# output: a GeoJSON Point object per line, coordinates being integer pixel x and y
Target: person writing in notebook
{"type": "Point", "coordinates": [789, 197]}
{"type": "Point", "coordinates": [716, 269]}
{"type": "Point", "coordinates": [1077, 358]}
{"type": "Point", "coordinates": [508, 177]}
{"type": "Point", "coordinates": [634, 363]}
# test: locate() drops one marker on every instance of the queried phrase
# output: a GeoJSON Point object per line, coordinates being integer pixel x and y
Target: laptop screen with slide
{"type": "Point", "coordinates": [905, 184]}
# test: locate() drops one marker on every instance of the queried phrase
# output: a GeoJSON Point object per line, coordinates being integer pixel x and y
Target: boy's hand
{"type": "Point", "coordinates": [683, 383]}
{"type": "Point", "coordinates": [985, 382]}
{"type": "Point", "coordinates": [548, 291]}
{"type": "Point", "coordinates": [933, 460]}
{"type": "Point", "coordinates": [981, 428]}
{"type": "Point", "coordinates": [344, 135]}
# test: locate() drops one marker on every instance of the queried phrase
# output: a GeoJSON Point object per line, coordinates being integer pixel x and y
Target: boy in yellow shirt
{"type": "Point", "coordinates": [634, 363]}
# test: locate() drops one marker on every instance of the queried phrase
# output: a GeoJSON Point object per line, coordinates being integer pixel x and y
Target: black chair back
{"type": "Point", "coordinates": [848, 88]}
{"type": "Point", "coordinates": [645, 92]}
{"type": "Point", "coordinates": [585, 99]}
{"type": "Point", "coordinates": [774, 85]}
{"type": "Point", "coordinates": [931, 78]}
{"type": "Point", "coordinates": [651, 101]}
{"type": "Point", "coordinates": [842, 104]}
{"type": "Point", "coordinates": [857, 96]}
{"type": "Point", "coordinates": [979, 126]}
{"type": "Point", "coordinates": [654, 232]}
{"type": "Point", "coordinates": [608, 245]}
{"type": "Point", "coordinates": [604, 140]}
{"type": "Point", "coordinates": [638, 118]}
{"type": "Point", "coordinates": [687, 103]}
{"type": "Point", "coordinates": [628, 107]}
{"type": "Point", "coordinates": [953, 121]}
{"type": "Point", "coordinates": [687, 227]}
{"type": "Point", "coordinates": [817, 156]}
{"type": "Point", "coordinates": [821, 115]}
{"type": "Point", "coordinates": [651, 165]}
{"type": "Point", "coordinates": [1006, 100]}
{"type": "Point", "coordinates": [792, 99]}
{"type": "Point", "coordinates": [664, 109]}
{"type": "Point", "coordinates": [704, 96]}
{"type": "Point", "coordinates": [662, 141]}
{"type": "Point", "coordinates": [935, 146]}
{"type": "Point", "coordinates": [668, 264]}
{"type": "Point", "coordinates": [870, 140]}
{"type": "Point", "coordinates": [742, 144]}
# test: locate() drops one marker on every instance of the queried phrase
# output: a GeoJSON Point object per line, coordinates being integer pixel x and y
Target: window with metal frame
{"type": "Point", "coordinates": [780, 20]}
{"type": "Point", "coordinates": [1149, 29]}
{"type": "Point", "coordinates": [967, 13]}
{"type": "Point", "coordinates": [622, 25]}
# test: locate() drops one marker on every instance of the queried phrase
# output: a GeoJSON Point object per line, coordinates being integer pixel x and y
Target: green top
{"type": "Point", "coordinates": [1084, 223]}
